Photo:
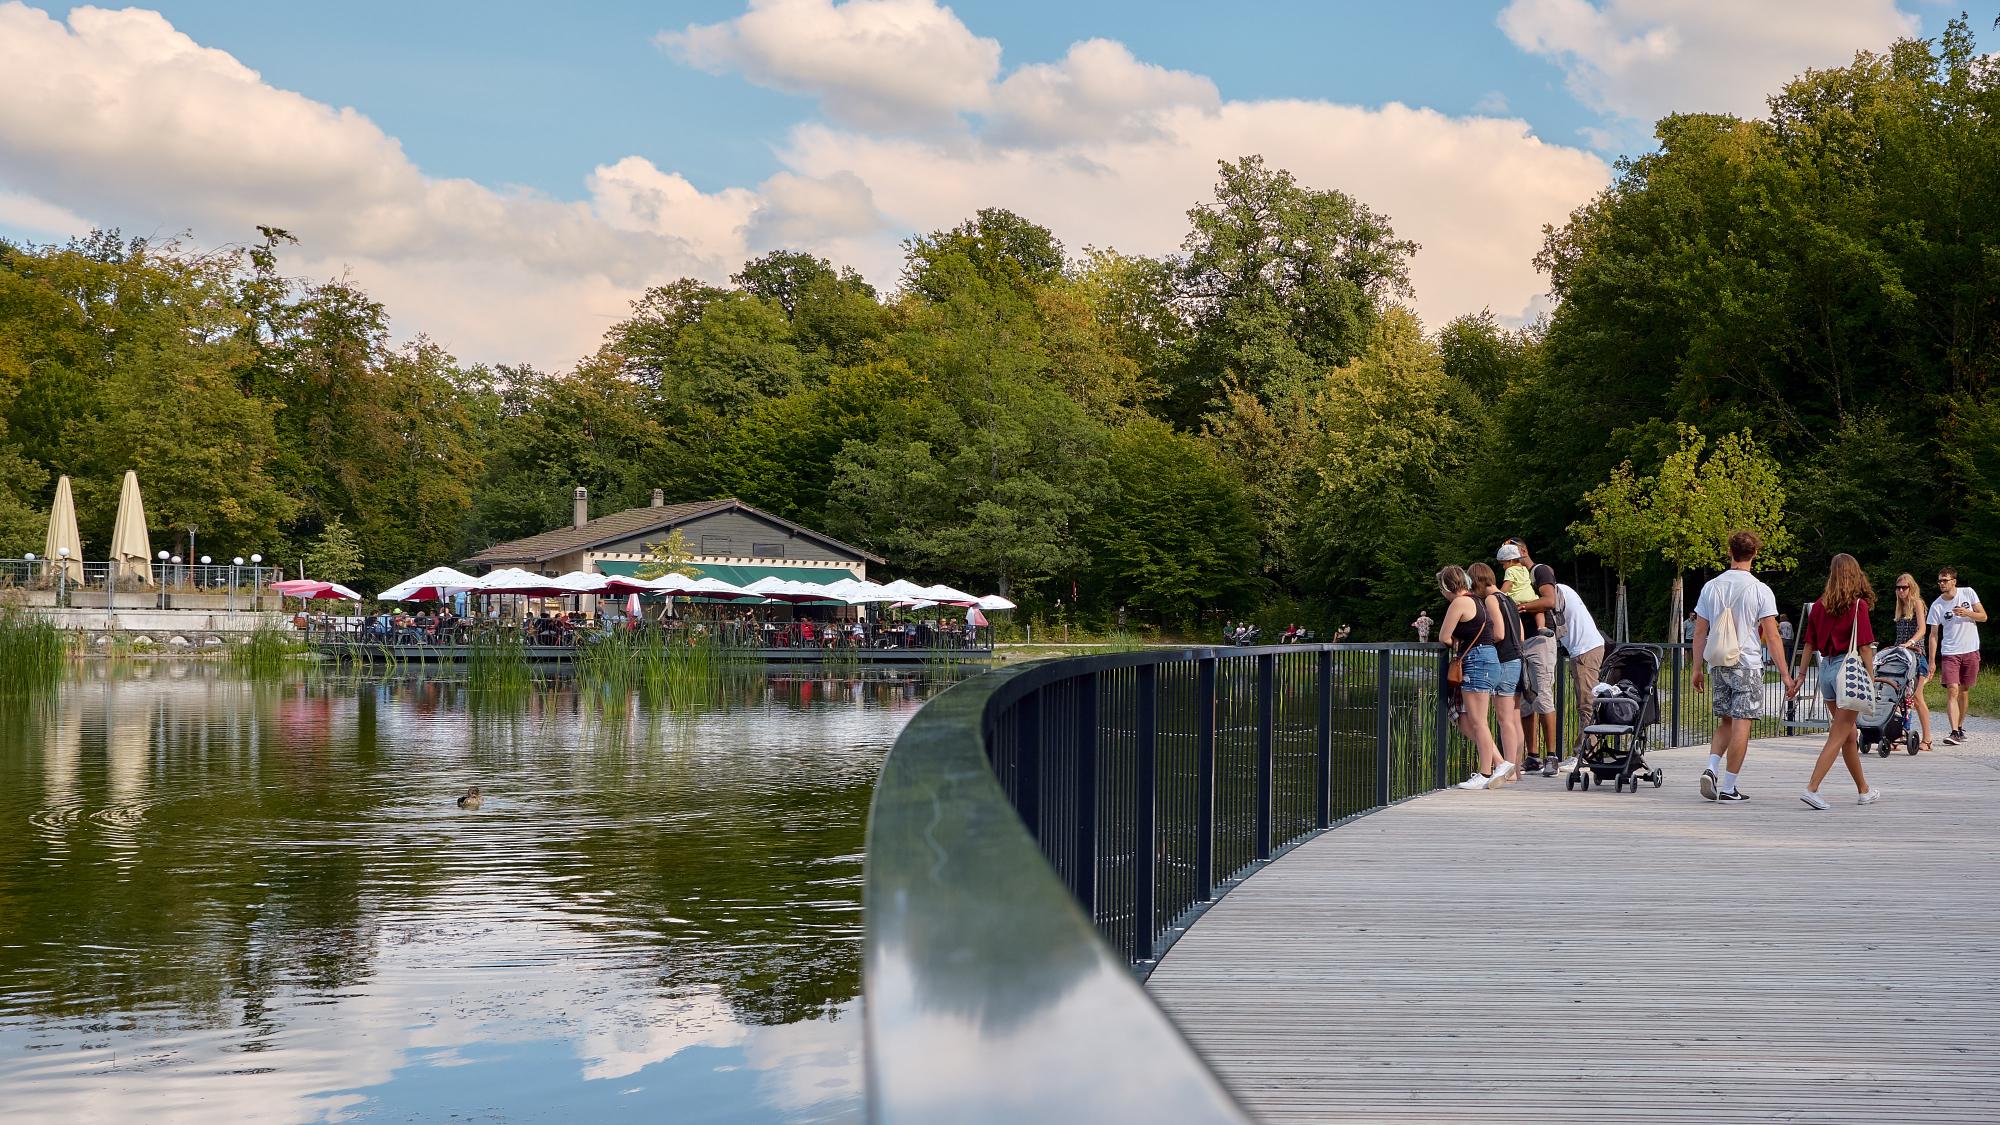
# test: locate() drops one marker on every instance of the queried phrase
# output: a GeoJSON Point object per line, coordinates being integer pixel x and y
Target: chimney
{"type": "Point", "coordinates": [659, 498]}
{"type": "Point", "coordinates": [581, 514]}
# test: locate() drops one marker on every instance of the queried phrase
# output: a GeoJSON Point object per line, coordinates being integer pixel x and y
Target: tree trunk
{"type": "Point", "coordinates": [1622, 622]}
{"type": "Point", "coordinates": [1675, 611]}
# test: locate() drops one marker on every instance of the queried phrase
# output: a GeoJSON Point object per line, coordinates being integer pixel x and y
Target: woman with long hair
{"type": "Point", "coordinates": [1911, 633]}
{"type": "Point", "coordinates": [1471, 632]}
{"type": "Point", "coordinates": [1507, 650]}
{"type": "Point", "coordinates": [1840, 614]}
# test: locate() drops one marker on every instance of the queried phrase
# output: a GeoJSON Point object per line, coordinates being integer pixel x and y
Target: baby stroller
{"type": "Point", "coordinates": [1627, 703]}
{"type": "Point", "coordinates": [1888, 721]}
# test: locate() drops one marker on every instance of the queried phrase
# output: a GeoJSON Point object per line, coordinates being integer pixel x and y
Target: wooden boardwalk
{"type": "Point", "coordinates": [1536, 955]}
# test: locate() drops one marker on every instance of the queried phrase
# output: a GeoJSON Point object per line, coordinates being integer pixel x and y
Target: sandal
{"type": "Point", "coordinates": [1923, 746]}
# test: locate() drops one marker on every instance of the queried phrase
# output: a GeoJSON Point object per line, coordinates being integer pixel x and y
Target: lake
{"type": "Point", "coordinates": [230, 899]}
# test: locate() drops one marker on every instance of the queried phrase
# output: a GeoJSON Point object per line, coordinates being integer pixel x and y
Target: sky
{"type": "Point", "coordinates": [506, 179]}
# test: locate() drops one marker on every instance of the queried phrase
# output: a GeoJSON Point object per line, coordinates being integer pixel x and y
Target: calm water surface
{"type": "Point", "coordinates": [227, 900]}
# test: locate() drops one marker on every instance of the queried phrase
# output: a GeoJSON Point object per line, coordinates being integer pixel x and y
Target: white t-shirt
{"type": "Point", "coordinates": [1956, 635]}
{"type": "Point", "coordinates": [1579, 633]}
{"type": "Point", "coordinates": [1749, 601]}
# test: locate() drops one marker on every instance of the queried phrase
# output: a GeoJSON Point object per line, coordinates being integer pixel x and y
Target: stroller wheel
{"type": "Point", "coordinates": [1569, 782]}
{"type": "Point", "coordinates": [1659, 778]}
{"type": "Point", "coordinates": [1884, 750]}
{"type": "Point", "coordinates": [1619, 785]}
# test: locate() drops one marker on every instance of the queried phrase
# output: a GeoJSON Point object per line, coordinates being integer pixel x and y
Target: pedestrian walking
{"type": "Point", "coordinates": [1423, 626]}
{"type": "Point", "coordinates": [1735, 619]}
{"type": "Point", "coordinates": [1539, 606]}
{"type": "Point", "coordinates": [1471, 632]}
{"type": "Point", "coordinates": [1954, 618]}
{"type": "Point", "coordinates": [1912, 631]}
{"type": "Point", "coordinates": [1837, 626]}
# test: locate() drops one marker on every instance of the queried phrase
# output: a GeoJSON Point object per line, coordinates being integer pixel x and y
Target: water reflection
{"type": "Point", "coordinates": [254, 900]}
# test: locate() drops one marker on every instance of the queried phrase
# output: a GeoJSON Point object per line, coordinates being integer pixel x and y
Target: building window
{"type": "Point", "coordinates": [767, 550]}
{"type": "Point", "coordinates": [717, 546]}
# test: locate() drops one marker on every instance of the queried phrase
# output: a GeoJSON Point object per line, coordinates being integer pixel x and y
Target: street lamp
{"type": "Point", "coordinates": [164, 579]}
{"type": "Point", "coordinates": [180, 576]}
{"type": "Point", "coordinates": [235, 565]}
{"type": "Point", "coordinates": [256, 583]}
{"type": "Point", "coordinates": [62, 577]}
{"type": "Point", "coordinates": [29, 577]}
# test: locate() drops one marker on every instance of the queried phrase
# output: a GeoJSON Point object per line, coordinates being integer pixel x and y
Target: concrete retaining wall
{"type": "Point", "coordinates": [164, 628]}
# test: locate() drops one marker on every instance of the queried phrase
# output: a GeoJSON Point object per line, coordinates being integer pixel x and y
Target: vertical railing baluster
{"type": "Point", "coordinates": [1562, 708]}
{"type": "Point", "coordinates": [1266, 708]}
{"type": "Point", "coordinates": [1146, 846]}
{"type": "Point", "coordinates": [1442, 718]}
{"type": "Point", "coordinates": [1204, 777]}
{"type": "Point", "coordinates": [1086, 811]}
{"type": "Point", "coordinates": [1323, 738]}
{"type": "Point", "coordinates": [1028, 761]}
{"type": "Point", "coordinates": [1674, 730]}
{"type": "Point", "coordinates": [1382, 756]}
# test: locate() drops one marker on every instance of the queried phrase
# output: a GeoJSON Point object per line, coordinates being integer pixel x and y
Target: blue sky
{"type": "Point", "coordinates": [502, 93]}
{"type": "Point", "coordinates": [506, 178]}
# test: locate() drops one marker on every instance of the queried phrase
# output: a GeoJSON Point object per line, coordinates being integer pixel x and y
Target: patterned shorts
{"type": "Point", "coordinates": [1736, 692]}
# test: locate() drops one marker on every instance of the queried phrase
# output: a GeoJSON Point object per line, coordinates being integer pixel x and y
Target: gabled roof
{"type": "Point", "coordinates": [633, 522]}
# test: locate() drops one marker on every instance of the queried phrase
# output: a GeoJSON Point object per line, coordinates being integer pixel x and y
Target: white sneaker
{"type": "Point", "coordinates": [1476, 781]}
{"type": "Point", "coordinates": [1813, 800]}
{"type": "Point", "coordinates": [1870, 797]}
{"type": "Point", "coordinates": [1569, 766]}
{"type": "Point", "coordinates": [1503, 772]}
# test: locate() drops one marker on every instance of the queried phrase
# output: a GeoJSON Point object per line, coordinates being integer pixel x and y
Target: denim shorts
{"type": "Point", "coordinates": [1829, 679]}
{"type": "Point", "coordinates": [1482, 667]}
{"type": "Point", "coordinates": [1507, 677]}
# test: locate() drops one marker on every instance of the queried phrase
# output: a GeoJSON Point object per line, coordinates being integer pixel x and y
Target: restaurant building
{"type": "Point", "coordinates": [726, 539]}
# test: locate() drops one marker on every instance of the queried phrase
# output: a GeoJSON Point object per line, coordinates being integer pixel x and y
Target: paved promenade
{"type": "Point", "coordinates": [1537, 955]}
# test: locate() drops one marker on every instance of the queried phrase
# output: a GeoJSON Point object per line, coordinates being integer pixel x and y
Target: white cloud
{"type": "Point", "coordinates": [1474, 191]}
{"type": "Point", "coordinates": [878, 64]}
{"type": "Point", "coordinates": [1638, 60]}
{"type": "Point", "coordinates": [117, 118]}
{"type": "Point", "coordinates": [1098, 91]}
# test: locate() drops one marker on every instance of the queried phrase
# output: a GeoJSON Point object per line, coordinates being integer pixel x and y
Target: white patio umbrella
{"type": "Point", "coordinates": [131, 548]}
{"type": "Point", "coordinates": [62, 548]}
{"type": "Point", "coordinates": [942, 593]}
{"type": "Point", "coordinates": [854, 591]}
{"type": "Point", "coordinates": [995, 602]}
{"type": "Point", "coordinates": [433, 585]}
{"type": "Point", "coordinates": [522, 583]}
{"type": "Point", "coordinates": [581, 582]}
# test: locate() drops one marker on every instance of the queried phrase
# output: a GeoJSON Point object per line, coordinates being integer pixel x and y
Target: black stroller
{"type": "Point", "coordinates": [1614, 742]}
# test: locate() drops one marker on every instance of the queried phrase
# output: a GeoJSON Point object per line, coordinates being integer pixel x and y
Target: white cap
{"type": "Point", "coordinates": [1507, 552]}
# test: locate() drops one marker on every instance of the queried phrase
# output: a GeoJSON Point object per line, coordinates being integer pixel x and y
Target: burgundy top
{"type": "Point", "coordinates": [1827, 632]}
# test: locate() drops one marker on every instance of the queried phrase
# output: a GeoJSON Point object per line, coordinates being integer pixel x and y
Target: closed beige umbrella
{"type": "Point", "coordinates": [131, 548]}
{"type": "Point", "coordinates": [62, 534]}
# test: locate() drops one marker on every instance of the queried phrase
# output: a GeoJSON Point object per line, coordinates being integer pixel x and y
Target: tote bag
{"type": "Point", "coordinates": [1854, 688]}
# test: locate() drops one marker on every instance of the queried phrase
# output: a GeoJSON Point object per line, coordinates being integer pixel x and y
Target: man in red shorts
{"type": "Point", "coordinates": [1954, 621]}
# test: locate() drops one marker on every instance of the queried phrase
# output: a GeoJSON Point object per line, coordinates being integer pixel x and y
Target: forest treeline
{"type": "Point", "coordinates": [1257, 422]}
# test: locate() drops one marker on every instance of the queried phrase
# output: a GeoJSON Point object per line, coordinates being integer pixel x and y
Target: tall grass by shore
{"type": "Point", "coordinates": [496, 663]}
{"type": "Point", "coordinates": [664, 670]}
{"type": "Point", "coordinates": [267, 651]}
{"type": "Point", "coordinates": [33, 652]}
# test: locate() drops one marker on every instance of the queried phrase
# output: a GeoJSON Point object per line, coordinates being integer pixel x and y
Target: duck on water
{"type": "Point", "coordinates": [471, 799]}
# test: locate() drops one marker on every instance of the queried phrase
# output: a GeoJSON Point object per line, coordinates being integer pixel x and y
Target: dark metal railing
{"type": "Point", "coordinates": [1042, 834]}
{"type": "Point", "coordinates": [1041, 831]}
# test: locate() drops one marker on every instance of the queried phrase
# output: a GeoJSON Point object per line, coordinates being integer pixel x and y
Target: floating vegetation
{"type": "Point", "coordinates": [33, 652]}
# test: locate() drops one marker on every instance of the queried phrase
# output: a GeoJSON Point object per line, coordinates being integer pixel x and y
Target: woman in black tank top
{"type": "Point", "coordinates": [1504, 620]}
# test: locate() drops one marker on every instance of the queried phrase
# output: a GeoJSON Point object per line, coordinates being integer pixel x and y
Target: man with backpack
{"type": "Point", "coordinates": [1735, 624]}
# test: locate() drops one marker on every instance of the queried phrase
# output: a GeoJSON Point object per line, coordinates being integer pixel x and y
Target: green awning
{"type": "Point", "coordinates": [744, 574]}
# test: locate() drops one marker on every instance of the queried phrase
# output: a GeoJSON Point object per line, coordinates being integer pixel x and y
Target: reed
{"type": "Point", "coordinates": [33, 653]}
{"type": "Point", "coordinates": [496, 663]}
{"type": "Point", "coordinates": [665, 670]}
{"type": "Point", "coordinates": [267, 651]}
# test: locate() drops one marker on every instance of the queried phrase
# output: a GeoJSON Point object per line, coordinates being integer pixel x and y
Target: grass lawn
{"type": "Point", "coordinates": [1985, 698]}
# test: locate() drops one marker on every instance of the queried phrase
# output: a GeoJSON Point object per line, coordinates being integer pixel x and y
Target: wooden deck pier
{"type": "Point", "coordinates": [1538, 955]}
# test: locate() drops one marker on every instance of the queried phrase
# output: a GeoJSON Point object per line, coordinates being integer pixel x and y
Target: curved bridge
{"type": "Point", "coordinates": [1045, 836]}
{"type": "Point", "coordinates": [1536, 955]}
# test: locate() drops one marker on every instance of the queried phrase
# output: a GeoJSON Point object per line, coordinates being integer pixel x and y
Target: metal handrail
{"type": "Point", "coordinates": [1027, 850]}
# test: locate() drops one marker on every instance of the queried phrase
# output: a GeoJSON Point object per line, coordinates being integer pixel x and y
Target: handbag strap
{"type": "Point", "coordinates": [1853, 626]}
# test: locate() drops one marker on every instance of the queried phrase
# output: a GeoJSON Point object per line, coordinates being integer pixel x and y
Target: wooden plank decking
{"type": "Point", "coordinates": [1536, 955]}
